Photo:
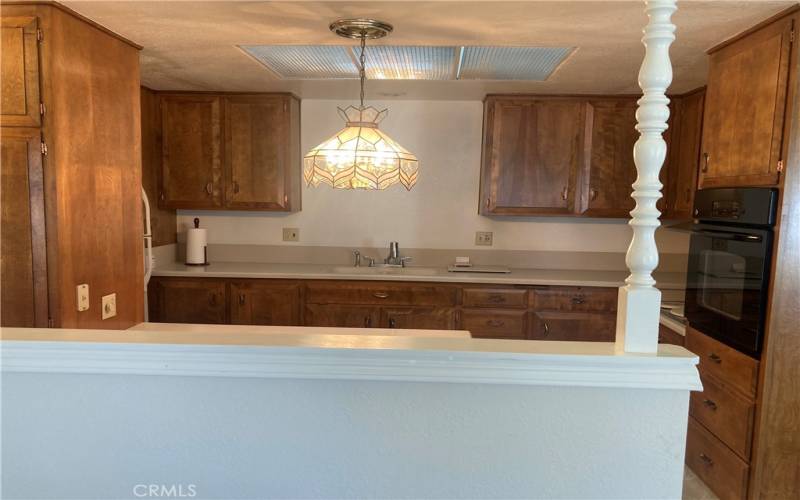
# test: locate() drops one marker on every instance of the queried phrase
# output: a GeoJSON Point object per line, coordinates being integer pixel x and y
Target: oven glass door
{"type": "Point", "coordinates": [727, 284]}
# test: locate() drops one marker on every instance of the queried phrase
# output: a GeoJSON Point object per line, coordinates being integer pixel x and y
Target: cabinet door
{"type": "Point", "coordinates": [532, 150]}
{"type": "Point", "coordinates": [684, 152]}
{"type": "Point", "coordinates": [744, 110]}
{"type": "Point", "coordinates": [347, 316]}
{"type": "Point", "coordinates": [610, 171]}
{"type": "Point", "coordinates": [258, 168]}
{"type": "Point", "coordinates": [191, 172]}
{"type": "Point", "coordinates": [265, 303]}
{"type": "Point", "coordinates": [189, 300]}
{"type": "Point", "coordinates": [579, 327]}
{"type": "Point", "coordinates": [23, 262]}
{"type": "Point", "coordinates": [422, 318]}
{"type": "Point", "coordinates": [19, 72]}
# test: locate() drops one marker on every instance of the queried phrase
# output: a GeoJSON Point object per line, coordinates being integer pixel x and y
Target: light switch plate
{"type": "Point", "coordinates": [83, 297]}
{"type": "Point", "coordinates": [483, 238]}
{"type": "Point", "coordinates": [109, 305]}
{"type": "Point", "coordinates": [291, 234]}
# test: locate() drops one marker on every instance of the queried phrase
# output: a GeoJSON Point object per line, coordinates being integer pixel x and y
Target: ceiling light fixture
{"type": "Point", "coordinates": [360, 156]}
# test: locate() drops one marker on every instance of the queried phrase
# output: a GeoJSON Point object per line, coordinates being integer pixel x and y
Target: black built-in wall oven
{"type": "Point", "coordinates": [729, 265]}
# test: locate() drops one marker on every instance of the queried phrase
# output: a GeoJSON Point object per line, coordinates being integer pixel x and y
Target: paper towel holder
{"type": "Point", "coordinates": [205, 249]}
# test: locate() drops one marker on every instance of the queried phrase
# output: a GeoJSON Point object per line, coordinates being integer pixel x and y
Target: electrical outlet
{"type": "Point", "coordinates": [109, 305]}
{"type": "Point", "coordinates": [483, 238]}
{"type": "Point", "coordinates": [83, 297]}
{"type": "Point", "coordinates": [291, 234]}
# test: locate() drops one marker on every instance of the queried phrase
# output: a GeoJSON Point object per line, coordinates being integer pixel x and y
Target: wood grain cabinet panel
{"type": "Point", "coordinates": [723, 363]}
{"type": "Point", "coordinates": [377, 293]}
{"type": "Point", "coordinates": [19, 66]}
{"type": "Point", "coordinates": [610, 170]}
{"type": "Point", "coordinates": [423, 318]}
{"type": "Point", "coordinates": [262, 171]}
{"type": "Point", "coordinates": [574, 298]}
{"type": "Point", "coordinates": [494, 297]}
{"type": "Point", "coordinates": [744, 109]}
{"type": "Point", "coordinates": [344, 316]}
{"type": "Point", "coordinates": [725, 414]}
{"type": "Point", "coordinates": [532, 152]}
{"type": "Point", "coordinates": [188, 300]}
{"type": "Point", "coordinates": [262, 302]}
{"type": "Point", "coordinates": [683, 153]}
{"type": "Point", "coordinates": [191, 165]}
{"type": "Point", "coordinates": [23, 269]}
{"type": "Point", "coordinates": [718, 467]}
{"type": "Point", "coordinates": [572, 326]}
{"type": "Point", "coordinates": [494, 323]}
{"type": "Point", "coordinates": [668, 336]}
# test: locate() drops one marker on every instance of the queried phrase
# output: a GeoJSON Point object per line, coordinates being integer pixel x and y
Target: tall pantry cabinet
{"type": "Point", "coordinates": [71, 170]}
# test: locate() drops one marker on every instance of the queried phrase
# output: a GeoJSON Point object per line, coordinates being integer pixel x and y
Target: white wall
{"type": "Point", "coordinates": [440, 212]}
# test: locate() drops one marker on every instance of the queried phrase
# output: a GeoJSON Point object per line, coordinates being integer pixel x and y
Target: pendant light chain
{"type": "Point", "coordinates": [363, 72]}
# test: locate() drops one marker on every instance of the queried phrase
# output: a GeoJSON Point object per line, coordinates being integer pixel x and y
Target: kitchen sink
{"type": "Point", "coordinates": [388, 271]}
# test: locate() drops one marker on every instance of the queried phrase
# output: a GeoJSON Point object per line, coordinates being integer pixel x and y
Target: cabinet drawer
{"type": "Point", "coordinates": [422, 318]}
{"type": "Point", "coordinates": [727, 415]}
{"type": "Point", "coordinates": [495, 297]}
{"type": "Point", "coordinates": [568, 298]}
{"type": "Point", "coordinates": [718, 467]}
{"type": "Point", "coordinates": [723, 363]}
{"type": "Point", "coordinates": [494, 324]}
{"type": "Point", "coordinates": [573, 326]}
{"type": "Point", "coordinates": [394, 294]}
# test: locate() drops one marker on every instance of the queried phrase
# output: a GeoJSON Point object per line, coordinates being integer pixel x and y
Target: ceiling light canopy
{"type": "Point", "coordinates": [360, 156]}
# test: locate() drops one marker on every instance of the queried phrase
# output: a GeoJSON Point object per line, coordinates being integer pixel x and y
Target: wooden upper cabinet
{"type": "Point", "coordinates": [19, 66]}
{"type": "Point", "coordinates": [610, 171]}
{"type": "Point", "coordinates": [262, 166]}
{"type": "Point", "coordinates": [533, 148]}
{"type": "Point", "coordinates": [191, 166]}
{"type": "Point", "coordinates": [262, 302]}
{"type": "Point", "coordinates": [23, 269]}
{"type": "Point", "coordinates": [683, 152]}
{"type": "Point", "coordinates": [744, 109]}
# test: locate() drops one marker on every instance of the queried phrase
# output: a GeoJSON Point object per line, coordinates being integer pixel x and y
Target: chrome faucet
{"type": "Point", "coordinates": [394, 259]}
{"type": "Point", "coordinates": [357, 256]}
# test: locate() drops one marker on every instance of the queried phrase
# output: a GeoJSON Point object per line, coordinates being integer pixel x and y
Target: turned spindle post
{"type": "Point", "coordinates": [639, 300]}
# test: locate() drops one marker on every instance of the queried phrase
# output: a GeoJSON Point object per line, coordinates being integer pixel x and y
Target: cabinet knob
{"type": "Point", "coordinates": [392, 323]}
{"type": "Point", "coordinates": [488, 202]}
{"type": "Point", "coordinates": [706, 158]}
{"type": "Point", "coordinates": [564, 193]}
{"type": "Point", "coordinates": [715, 358]}
{"type": "Point", "coordinates": [367, 321]}
{"type": "Point", "coordinates": [546, 329]}
{"type": "Point", "coordinates": [286, 199]}
{"type": "Point", "coordinates": [241, 299]}
{"type": "Point", "coordinates": [706, 459]}
{"type": "Point", "coordinates": [210, 188]}
{"type": "Point", "coordinates": [380, 295]}
{"type": "Point", "coordinates": [163, 197]}
{"type": "Point", "coordinates": [578, 299]}
{"type": "Point", "coordinates": [592, 194]}
{"type": "Point", "coordinates": [710, 404]}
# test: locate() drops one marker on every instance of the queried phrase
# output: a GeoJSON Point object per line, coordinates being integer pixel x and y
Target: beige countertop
{"type": "Point", "coordinates": [563, 277]}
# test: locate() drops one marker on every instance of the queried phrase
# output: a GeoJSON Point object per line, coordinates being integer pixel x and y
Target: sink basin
{"type": "Point", "coordinates": [389, 271]}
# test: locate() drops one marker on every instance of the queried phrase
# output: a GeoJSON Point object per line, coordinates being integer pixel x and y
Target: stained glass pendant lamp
{"type": "Point", "coordinates": [360, 156]}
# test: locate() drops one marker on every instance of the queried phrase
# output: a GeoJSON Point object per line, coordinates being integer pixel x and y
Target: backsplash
{"type": "Point", "coordinates": [441, 212]}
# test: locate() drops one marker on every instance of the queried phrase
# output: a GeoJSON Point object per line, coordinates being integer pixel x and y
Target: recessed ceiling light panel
{"type": "Point", "coordinates": [511, 63]}
{"type": "Point", "coordinates": [305, 62]}
{"type": "Point", "coordinates": [410, 62]}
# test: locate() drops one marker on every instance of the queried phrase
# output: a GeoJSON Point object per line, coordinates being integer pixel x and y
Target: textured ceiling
{"type": "Point", "coordinates": [193, 45]}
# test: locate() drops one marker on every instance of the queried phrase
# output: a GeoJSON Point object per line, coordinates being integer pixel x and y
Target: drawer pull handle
{"type": "Point", "coordinates": [715, 358]}
{"type": "Point", "coordinates": [367, 321]}
{"type": "Point", "coordinates": [578, 300]}
{"type": "Point", "coordinates": [496, 299]}
{"type": "Point", "coordinates": [380, 295]}
{"type": "Point", "coordinates": [210, 188]}
{"type": "Point", "coordinates": [706, 158]}
{"type": "Point", "coordinates": [706, 459]}
{"type": "Point", "coordinates": [241, 299]}
{"type": "Point", "coordinates": [546, 329]}
{"type": "Point", "coordinates": [564, 194]}
{"type": "Point", "coordinates": [392, 323]}
{"type": "Point", "coordinates": [710, 404]}
{"type": "Point", "coordinates": [495, 323]}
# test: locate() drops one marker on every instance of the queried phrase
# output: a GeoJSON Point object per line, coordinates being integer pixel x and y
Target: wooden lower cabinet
{"type": "Point", "coordinates": [344, 316]}
{"type": "Point", "coordinates": [188, 301]}
{"type": "Point", "coordinates": [494, 324]}
{"type": "Point", "coordinates": [719, 467]}
{"type": "Point", "coordinates": [262, 302]}
{"type": "Point", "coordinates": [725, 414]}
{"type": "Point", "coordinates": [423, 318]}
{"type": "Point", "coordinates": [580, 326]}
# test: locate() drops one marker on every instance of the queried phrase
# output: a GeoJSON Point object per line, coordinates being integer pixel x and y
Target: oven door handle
{"type": "Point", "coordinates": [751, 238]}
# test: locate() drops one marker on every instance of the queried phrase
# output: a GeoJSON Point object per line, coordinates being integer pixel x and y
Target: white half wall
{"type": "Point", "coordinates": [441, 212]}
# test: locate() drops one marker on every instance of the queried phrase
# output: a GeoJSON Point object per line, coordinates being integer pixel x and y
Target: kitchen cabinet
{"type": "Point", "coordinates": [532, 153]}
{"type": "Point", "coordinates": [19, 65]}
{"type": "Point", "coordinates": [259, 302]}
{"type": "Point", "coordinates": [344, 316]}
{"type": "Point", "coordinates": [744, 108]}
{"type": "Point", "coordinates": [683, 153]}
{"type": "Point", "coordinates": [718, 467]}
{"type": "Point", "coordinates": [191, 175]}
{"type": "Point", "coordinates": [495, 323]}
{"type": "Point", "coordinates": [188, 301]}
{"type": "Point", "coordinates": [261, 153]}
{"type": "Point", "coordinates": [23, 287]}
{"type": "Point", "coordinates": [574, 326]}
{"type": "Point", "coordinates": [610, 171]}
{"type": "Point", "coordinates": [230, 151]}
{"type": "Point", "coordinates": [423, 318]}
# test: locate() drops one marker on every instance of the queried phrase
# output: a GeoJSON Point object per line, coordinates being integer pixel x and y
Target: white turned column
{"type": "Point", "coordinates": [639, 301]}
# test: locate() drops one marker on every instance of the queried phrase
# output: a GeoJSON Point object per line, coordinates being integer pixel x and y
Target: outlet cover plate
{"type": "Point", "coordinates": [83, 297]}
{"type": "Point", "coordinates": [291, 234]}
{"type": "Point", "coordinates": [109, 305]}
{"type": "Point", "coordinates": [483, 238]}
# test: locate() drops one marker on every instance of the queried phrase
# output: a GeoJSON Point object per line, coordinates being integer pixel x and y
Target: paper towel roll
{"type": "Point", "coordinates": [196, 245]}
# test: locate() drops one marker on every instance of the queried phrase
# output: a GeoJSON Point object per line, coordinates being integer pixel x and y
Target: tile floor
{"type": "Point", "coordinates": [694, 488]}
